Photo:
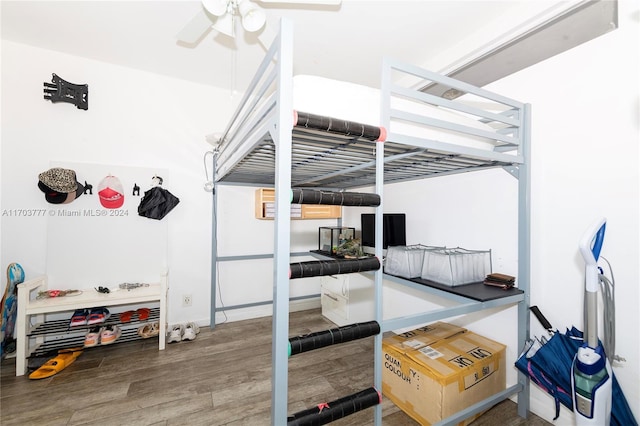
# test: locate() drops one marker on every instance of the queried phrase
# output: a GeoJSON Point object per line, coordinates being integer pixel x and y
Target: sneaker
{"type": "Point", "coordinates": [176, 333]}
{"type": "Point", "coordinates": [98, 316]}
{"type": "Point", "coordinates": [92, 338]}
{"type": "Point", "coordinates": [190, 331]}
{"type": "Point", "coordinates": [110, 334]}
{"type": "Point", "coordinates": [79, 318]}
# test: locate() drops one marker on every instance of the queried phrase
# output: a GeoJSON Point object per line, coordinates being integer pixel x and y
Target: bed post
{"type": "Point", "coordinates": [214, 244]}
{"type": "Point", "coordinates": [524, 251]}
{"type": "Point", "coordinates": [282, 134]}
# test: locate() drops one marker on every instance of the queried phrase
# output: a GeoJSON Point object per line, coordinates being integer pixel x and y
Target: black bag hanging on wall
{"type": "Point", "coordinates": [157, 202]}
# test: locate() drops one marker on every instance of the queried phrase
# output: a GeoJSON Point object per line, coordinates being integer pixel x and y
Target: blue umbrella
{"type": "Point", "coordinates": [548, 364]}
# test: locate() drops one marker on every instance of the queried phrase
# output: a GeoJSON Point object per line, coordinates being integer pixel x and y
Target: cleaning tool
{"type": "Point", "coordinates": [592, 374]}
{"type": "Point", "coordinates": [548, 363]}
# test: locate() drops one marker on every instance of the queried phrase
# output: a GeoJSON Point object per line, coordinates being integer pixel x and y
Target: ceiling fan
{"type": "Point", "coordinates": [221, 15]}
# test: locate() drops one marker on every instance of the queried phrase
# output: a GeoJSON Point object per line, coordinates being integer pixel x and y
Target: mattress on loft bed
{"type": "Point", "coordinates": [361, 104]}
{"type": "Point", "coordinates": [323, 157]}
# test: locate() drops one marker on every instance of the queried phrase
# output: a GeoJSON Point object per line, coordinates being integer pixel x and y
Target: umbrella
{"type": "Point", "coordinates": [157, 202]}
{"type": "Point", "coordinates": [548, 363]}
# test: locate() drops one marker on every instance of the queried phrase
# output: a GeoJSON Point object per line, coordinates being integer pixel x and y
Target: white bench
{"type": "Point", "coordinates": [30, 306]}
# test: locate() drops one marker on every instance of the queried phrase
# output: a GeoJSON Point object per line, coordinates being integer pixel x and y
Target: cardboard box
{"type": "Point", "coordinates": [435, 371]}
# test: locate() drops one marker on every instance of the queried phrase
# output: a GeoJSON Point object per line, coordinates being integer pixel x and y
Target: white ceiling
{"type": "Point", "coordinates": [344, 42]}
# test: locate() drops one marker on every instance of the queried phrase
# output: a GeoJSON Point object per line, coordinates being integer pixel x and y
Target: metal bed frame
{"type": "Point", "coordinates": [260, 148]}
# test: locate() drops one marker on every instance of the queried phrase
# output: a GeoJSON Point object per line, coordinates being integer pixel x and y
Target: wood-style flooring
{"type": "Point", "coordinates": [221, 378]}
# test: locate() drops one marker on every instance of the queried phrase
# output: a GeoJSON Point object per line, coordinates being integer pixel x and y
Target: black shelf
{"type": "Point", "coordinates": [475, 291]}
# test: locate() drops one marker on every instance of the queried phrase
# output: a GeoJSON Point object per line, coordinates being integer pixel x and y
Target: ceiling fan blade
{"type": "Point", "coordinates": [195, 28]}
{"type": "Point", "coordinates": [325, 2]}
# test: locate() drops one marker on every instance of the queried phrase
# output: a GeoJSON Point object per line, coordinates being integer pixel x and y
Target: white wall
{"type": "Point", "coordinates": [135, 119]}
{"type": "Point", "coordinates": [585, 163]}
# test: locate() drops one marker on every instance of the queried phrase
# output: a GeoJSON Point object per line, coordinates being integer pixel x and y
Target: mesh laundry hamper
{"type": "Point", "coordinates": [456, 266]}
{"type": "Point", "coordinates": [406, 261]}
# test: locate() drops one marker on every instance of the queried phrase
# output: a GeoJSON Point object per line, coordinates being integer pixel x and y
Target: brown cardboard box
{"type": "Point", "coordinates": [435, 371]}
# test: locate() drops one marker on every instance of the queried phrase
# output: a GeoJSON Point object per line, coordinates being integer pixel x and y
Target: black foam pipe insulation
{"type": "Point", "coordinates": [318, 268]}
{"type": "Point", "coordinates": [328, 412]}
{"type": "Point", "coordinates": [334, 336]}
{"type": "Point", "coordinates": [339, 126]}
{"type": "Point", "coordinates": [334, 198]}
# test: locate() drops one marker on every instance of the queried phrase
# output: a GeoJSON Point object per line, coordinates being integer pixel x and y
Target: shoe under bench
{"type": "Point", "coordinates": [32, 311]}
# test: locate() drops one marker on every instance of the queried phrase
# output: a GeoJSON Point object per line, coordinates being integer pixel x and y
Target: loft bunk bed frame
{"type": "Point", "coordinates": [266, 145]}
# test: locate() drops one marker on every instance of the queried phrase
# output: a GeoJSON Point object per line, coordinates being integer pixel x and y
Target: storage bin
{"type": "Point", "coordinates": [406, 261]}
{"type": "Point", "coordinates": [456, 266]}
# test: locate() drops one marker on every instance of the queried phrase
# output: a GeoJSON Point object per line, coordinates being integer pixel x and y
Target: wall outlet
{"type": "Point", "coordinates": [186, 300]}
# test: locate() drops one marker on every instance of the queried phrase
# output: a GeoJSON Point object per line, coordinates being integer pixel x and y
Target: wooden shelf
{"type": "Point", "coordinates": [265, 207]}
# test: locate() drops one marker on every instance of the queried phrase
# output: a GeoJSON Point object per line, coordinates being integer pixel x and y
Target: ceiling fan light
{"type": "Point", "coordinates": [253, 18]}
{"type": "Point", "coordinates": [224, 24]}
{"type": "Point", "coordinates": [216, 7]}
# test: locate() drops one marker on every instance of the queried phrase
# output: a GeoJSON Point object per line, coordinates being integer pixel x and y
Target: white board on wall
{"type": "Point", "coordinates": [89, 245]}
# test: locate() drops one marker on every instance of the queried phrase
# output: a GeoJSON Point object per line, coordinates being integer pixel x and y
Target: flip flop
{"type": "Point", "coordinates": [126, 316]}
{"type": "Point", "coordinates": [143, 313]}
{"type": "Point", "coordinates": [55, 365]}
{"type": "Point", "coordinates": [149, 330]}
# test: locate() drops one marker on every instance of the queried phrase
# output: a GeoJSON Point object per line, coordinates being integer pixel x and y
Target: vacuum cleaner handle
{"type": "Point", "coordinates": [590, 246]}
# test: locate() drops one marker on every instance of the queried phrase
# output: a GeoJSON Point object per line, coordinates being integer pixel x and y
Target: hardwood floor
{"type": "Point", "coordinates": [221, 378]}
